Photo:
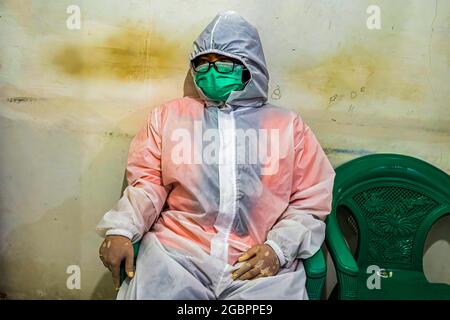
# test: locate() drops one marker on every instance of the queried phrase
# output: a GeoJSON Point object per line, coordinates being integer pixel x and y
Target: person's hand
{"type": "Point", "coordinates": [113, 251]}
{"type": "Point", "coordinates": [261, 261]}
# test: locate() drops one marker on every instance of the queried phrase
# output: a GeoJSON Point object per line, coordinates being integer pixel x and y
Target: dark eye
{"type": "Point", "coordinates": [200, 61]}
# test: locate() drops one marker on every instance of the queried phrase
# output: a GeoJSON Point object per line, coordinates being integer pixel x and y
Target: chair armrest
{"type": "Point", "coordinates": [316, 266]}
{"type": "Point", "coordinates": [342, 257]}
{"type": "Point", "coordinates": [316, 273]}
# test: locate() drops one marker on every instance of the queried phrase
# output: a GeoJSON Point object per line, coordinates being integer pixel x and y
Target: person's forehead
{"type": "Point", "coordinates": [213, 55]}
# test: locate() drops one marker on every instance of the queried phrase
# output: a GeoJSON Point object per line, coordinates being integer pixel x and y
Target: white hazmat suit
{"type": "Point", "coordinates": [207, 181]}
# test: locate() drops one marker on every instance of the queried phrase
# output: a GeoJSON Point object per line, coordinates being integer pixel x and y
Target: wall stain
{"type": "Point", "coordinates": [357, 152]}
{"type": "Point", "coordinates": [354, 72]}
{"type": "Point", "coordinates": [23, 99]}
{"type": "Point", "coordinates": [134, 52]}
{"type": "Point", "coordinates": [118, 134]}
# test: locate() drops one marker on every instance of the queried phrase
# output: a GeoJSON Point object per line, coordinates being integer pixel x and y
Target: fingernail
{"type": "Point", "coordinates": [131, 274]}
{"type": "Point", "coordinates": [117, 289]}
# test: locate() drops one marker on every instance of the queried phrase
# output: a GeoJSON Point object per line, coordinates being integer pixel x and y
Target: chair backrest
{"type": "Point", "coordinates": [394, 200]}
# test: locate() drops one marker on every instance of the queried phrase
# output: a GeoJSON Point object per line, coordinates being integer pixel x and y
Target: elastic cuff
{"type": "Point", "coordinates": [277, 250]}
{"type": "Point", "coordinates": [119, 232]}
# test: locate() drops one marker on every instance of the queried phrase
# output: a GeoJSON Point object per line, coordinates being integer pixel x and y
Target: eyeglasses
{"type": "Point", "coordinates": [220, 66]}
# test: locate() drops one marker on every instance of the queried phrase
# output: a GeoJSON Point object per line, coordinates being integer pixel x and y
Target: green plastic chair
{"type": "Point", "coordinates": [393, 202]}
{"type": "Point", "coordinates": [315, 268]}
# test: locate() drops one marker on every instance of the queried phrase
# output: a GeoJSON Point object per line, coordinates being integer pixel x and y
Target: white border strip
{"type": "Point", "coordinates": [227, 183]}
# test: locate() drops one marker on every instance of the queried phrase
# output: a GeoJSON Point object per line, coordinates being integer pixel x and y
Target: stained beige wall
{"type": "Point", "coordinates": [71, 100]}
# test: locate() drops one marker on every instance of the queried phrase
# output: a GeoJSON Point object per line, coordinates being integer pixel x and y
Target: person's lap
{"type": "Point", "coordinates": [164, 274]}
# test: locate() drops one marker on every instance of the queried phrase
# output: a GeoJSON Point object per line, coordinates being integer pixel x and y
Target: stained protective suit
{"type": "Point", "coordinates": [208, 180]}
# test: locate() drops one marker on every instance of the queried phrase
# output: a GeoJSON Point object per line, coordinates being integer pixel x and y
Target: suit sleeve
{"type": "Point", "coordinates": [144, 197]}
{"type": "Point", "coordinates": [300, 230]}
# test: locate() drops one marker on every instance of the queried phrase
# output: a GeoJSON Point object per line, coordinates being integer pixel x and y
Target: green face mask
{"type": "Point", "coordinates": [218, 85]}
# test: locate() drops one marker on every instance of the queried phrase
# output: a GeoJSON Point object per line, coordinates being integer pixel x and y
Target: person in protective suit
{"type": "Point", "coordinates": [226, 192]}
